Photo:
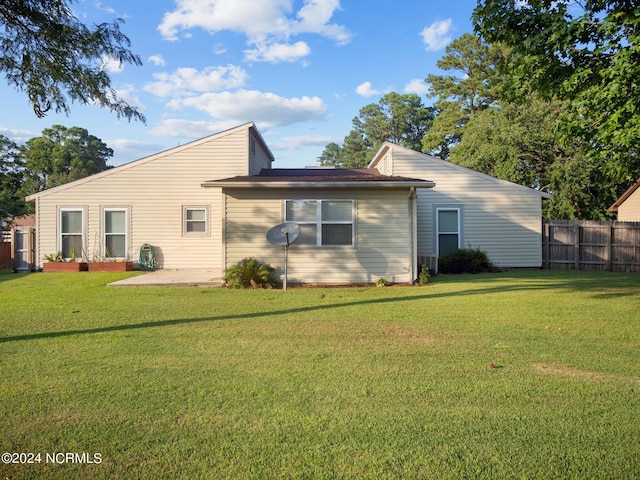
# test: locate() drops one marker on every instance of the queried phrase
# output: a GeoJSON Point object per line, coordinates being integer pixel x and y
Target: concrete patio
{"type": "Point", "coordinates": [191, 277]}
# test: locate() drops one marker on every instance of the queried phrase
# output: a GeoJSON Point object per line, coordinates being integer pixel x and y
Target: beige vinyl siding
{"type": "Point", "coordinates": [382, 236]}
{"type": "Point", "coordinates": [259, 156]}
{"type": "Point", "coordinates": [500, 218]}
{"type": "Point", "coordinates": [155, 190]}
{"type": "Point", "coordinates": [385, 164]}
{"type": "Point", "coordinates": [629, 210]}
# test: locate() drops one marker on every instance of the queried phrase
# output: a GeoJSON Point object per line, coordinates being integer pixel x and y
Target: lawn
{"type": "Point", "coordinates": [513, 375]}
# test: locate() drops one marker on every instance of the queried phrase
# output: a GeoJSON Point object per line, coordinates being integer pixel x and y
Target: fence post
{"type": "Point", "coordinates": [576, 245]}
{"type": "Point", "coordinates": [609, 247]}
{"type": "Point", "coordinates": [546, 254]}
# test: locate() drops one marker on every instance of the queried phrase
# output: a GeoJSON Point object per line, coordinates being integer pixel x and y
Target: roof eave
{"type": "Point", "coordinates": [360, 184]}
{"type": "Point", "coordinates": [381, 151]}
{"type": "Point", "coordinates": [614, 208]}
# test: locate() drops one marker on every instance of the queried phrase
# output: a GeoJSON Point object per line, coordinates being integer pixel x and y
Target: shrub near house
{"type": "Point", "coordinates": [249, 273]}
{"type": "Point", "coordinates": [55, 262]}
{"type": "Point", "coordinates": [465, 260]}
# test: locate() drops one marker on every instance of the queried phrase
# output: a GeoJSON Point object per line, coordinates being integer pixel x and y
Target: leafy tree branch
{"type": "Point", "coordinates": [47, 53]}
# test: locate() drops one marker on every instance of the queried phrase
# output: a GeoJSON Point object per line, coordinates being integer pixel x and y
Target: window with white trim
{"type": "Point", "coordinates": [195, 221]}
{"type": "Point", "coordinates": [115, 233]}
{"type": "Point", "coordinates": [322, 222]}
{"type": "Point", "coordinates": [71, 232]}
{"type": "Point", "coordinates": [448, 233]}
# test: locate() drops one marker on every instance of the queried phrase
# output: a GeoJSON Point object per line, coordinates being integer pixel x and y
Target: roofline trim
{"type": "Point", "coordinates": [301, 184]}
{"type": "Point", "coordinates": [143, 160]}
{"type": "Point", "coordinates": [624, 196]}
{"type": "Point", "coordinates": [390, 145]}
{"type": "Point", "coordinates": [253, 128]}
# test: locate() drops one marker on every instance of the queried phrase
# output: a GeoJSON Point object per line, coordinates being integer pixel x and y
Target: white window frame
{"type": "Point", "coordinates": [83, 233]}
{"type": "Point", "coordinates": [105, 254]}
{"type": "Point", "coordinates": [459, 212]}
{"type": "Point", "coordinates": [319, 221]}
{"type": "Point", "coordinates": [185, 221]}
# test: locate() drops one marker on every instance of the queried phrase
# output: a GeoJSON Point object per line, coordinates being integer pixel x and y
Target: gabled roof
{"type": "Point", "coordinates": [319, 178]}
{"type": "Point", "coordinates": [386, 146]}
{"type": "Point", "coordinates": [246, 126]}
{"type": "Point", "coordinates": [624, 196]}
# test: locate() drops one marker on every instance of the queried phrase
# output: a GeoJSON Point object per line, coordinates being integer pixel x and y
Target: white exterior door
{"type": "Point", "coordinates": [23, 250]}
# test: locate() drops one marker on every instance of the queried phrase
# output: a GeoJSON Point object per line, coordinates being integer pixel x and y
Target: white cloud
{"type": "Point", "coordinates": [266, 23]}
{"type": "Point", "coordinates": [366, 90]}
{"type": "Point", "coordinates": [157, 60]}
{"type": "Point", "coordinates": [314, 18]}
{"type": "Point", "coordinates": [112, 65]}
{"type": "Point", "coordinates": [251, 105]}
{"type": "Point", "coordinates": [189, 80]}
{"type": "Point", "coordinates": [18, 136]}
{"type": "Point", "coordinates": [219, 49]}
{"type": "Point", "coordinates": [417, 86]}
{"type": "Point", "coordinates": [127, 93]}
{"type": "Point", "coordinates": [100, 6]}
{"type": "Point", "coordinates": [176, 127]}
{"type": "Point", "coordinates": [278, 52]}
{"type": "Point", "coordinates": [244, 16]}
{"type": "Point", "coordinates": [301, 141]}
{"type": "Point", "coordinates": [436, 36]}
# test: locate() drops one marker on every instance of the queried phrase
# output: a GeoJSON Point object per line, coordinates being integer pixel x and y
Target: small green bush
{"type": "Point", "coordinates": [54, 257]}
{"type": "Point", "coordinates": [465, 260]}
{"type": "Point", "coordinates": [425, 274]}
{"type": "Point", "coordinates": [249, 273]}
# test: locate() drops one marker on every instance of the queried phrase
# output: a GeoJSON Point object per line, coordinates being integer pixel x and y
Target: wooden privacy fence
{"type": "Point", "coordinates": [5, 254]}
{"type": "Point", "coordinates": [591, 245]}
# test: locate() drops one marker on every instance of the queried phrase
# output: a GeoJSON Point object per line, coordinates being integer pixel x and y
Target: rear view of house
{"type": "Point", "coordinates": [209, 203]}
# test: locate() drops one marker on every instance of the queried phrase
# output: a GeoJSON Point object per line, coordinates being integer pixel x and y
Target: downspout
{"type": "Point", "coordinates": [413, 245]}
{"type": "Point", "coordinates": [37, 265]}
{"type": "Point", "coordinates": [223, 227]}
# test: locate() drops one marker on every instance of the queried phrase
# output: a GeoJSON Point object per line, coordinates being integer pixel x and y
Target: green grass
{"type": "Point", "coordinates": [393, 382]}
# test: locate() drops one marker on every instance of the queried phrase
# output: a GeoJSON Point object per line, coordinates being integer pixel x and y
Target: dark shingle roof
{"type": "Point", "coordinates": [318, 177]}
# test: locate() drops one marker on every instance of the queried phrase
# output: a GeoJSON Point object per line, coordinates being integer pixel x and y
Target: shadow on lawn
{"type": "Point", "coordinates": [582, 284]}
{"type": "Point", "coordinates": [6, 275]}
{"type": "Point", "coordinates": [182, 321]}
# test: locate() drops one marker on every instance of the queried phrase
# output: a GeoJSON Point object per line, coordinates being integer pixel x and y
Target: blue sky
{"type": "Point", "coordinates": [301, 70]}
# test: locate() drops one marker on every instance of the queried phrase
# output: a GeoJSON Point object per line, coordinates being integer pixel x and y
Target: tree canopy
{"type": "Point", "coordinates": [399, 118]}
{"type": "Point", "coordinates": [46, 52]}
{"type": "Point", "coordinates": [59, 156]}
{"type": "Point", "coordinates": [468, 89]}
{"type": "Point", "coordinates": [11, 200]}
{"type": "Point", "coordinates": [491, 115]}
{"type": "Point", "coordinates": [62, 155]}
{"type": "Point", "coordinates": [519, 142]}
{"type": "Point", "coordinates": [587, 53]}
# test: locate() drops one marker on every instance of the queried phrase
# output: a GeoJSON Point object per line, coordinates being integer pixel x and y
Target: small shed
{"type": "Point", "coordinates": [17, 245]}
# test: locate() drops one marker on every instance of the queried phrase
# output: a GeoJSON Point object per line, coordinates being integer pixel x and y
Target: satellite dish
{"type": "Point", "coordinates": [284, 234]}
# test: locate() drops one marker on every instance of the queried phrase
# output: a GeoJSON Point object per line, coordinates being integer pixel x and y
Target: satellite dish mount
{"type": "Point", "coordinates": [284, 234]}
